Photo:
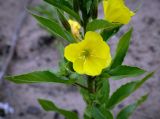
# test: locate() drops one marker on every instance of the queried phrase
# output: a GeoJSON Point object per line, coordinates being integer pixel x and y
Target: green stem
{"type": "Point", "coordinates": [82, 86]}
{"type": "Point", "coordinates": [90, 82]}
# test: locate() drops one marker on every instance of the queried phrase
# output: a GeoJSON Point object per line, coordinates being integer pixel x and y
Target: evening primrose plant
{"type": "Point", "coordinates": [86, 61]}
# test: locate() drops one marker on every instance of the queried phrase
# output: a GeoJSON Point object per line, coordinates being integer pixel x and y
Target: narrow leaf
{"type": "Point", "coordinates": [124, 71]}
{"type": "Point", "coordinates": [38, 77]}
{"type": "Point", "coordinates": [54, 28]}
{"type": "Point", "coordinates": [122, 49]}
{"type": "Point", "coordinates": [76, 5]}
{"type": "Point", "coordinates": [108, 33]}
{"type": "Point", "coordinates": [126, 112]}
{"type": "Point", "coordinates": [63, 20]}
{"type": "Point", "coordinates": [103, 90]}
{"type": "Point", "coordinates": [101, 114]}
{"type": "Point", "coordinates": [100, 24]}
{"type": "Point", "coordinates": [94, 9]}
{"type": "Point", "coordinates": [97, 114]}
{"type": "Point", "coordinates": [64, 8]}
{"type": "Point", "coordinates": [50, 106]}
{"type": "Point", "coordinates": [126, 90]}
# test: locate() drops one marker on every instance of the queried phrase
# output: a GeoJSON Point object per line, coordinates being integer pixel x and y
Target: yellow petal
{"type": "Point", "coordinates": [101, 50]}
{"type": "Point", "coordinates": [123, 16]}
{"type": "Point", "coordinates": [105, 6]}
{"type": "Point", "coordinates": [93, 66]}
{"type": "Point", "coordinates": [96, 45]}
{"type": "Point", "coordinates": [107, 60]}
{"type": "Point", "coordinates": [78, 65]}
{"type": "Point", "coordinates": [91, 39]}
{"type": "Point", "coordinates": [72, 51]}
{"type": "Point", "coordinates": [116, 11]}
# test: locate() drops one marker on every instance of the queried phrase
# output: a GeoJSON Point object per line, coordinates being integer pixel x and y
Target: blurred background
{"type": "Point", "coordinates": [34, 49]}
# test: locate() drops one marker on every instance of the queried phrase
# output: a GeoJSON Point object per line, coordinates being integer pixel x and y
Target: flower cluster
{"type": "Point", "coordinates": [92, 55]}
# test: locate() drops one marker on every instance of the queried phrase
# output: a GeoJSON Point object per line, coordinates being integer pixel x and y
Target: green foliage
{"type": "Point", "coordinates": [45, 10]}
{"type": "Point", "coordinates": [107, 29]}
{"type": "Point", "coordinates": [50, 106]}
{"type": "Point", "coordinates": [126, 112]}
{"type": "Point", "coordinates": [60, 5]}
{"type": "Point", "coordinates": [122, 49]}
{"type": "Point", "coordinates": [124, 71]}
{"type": "Point", "coordinates": [76, 5]}
{"type": "Point", "coordinates": [39, 77]}
{"type": "Point", "coordinates": [54, 28]}
{"type": "Point", "coordinates": [103, 90]}
{"type": "Point", "coordinates": [94, 9]}
{"type": "Point", "coordinates": [63, 20]}
{"type": "Point", "coordinates": [100, 24]}
{"type": "Point", "coordinates": [108, 33]}
{"type": "Point", "coordinates": [126, 90]}
{"type": "Point", "coordinates": [101, 113]}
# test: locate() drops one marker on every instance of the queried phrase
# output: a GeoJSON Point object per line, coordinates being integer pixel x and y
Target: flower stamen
{"type": "Point", "coordinates": [85, 53]}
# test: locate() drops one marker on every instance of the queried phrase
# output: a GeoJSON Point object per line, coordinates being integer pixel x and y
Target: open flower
{"type": "Point", "coordinates": [75, 28]}
{"type": "Point", "coordinates": [89, 56]}
{"type": "Point", "coordinates": [116, 11]}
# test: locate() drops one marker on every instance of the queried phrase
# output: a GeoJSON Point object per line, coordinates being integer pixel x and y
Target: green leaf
{"type": "Point", "coordinates": [63, 20]}
{"type": "Point", "coordinates": [126, 112]}
{"type": "Point", "coordinates": [66, 3]}
{"type": "Point", "coordinates": [39, 77]}
{"type": "Point", "coordinates": [63, 7]}
{"type": "Point", "coordinates": [126, 90]}
{"type": "Point", "coordinates": [100, 24]}
{"type": "Point", "coordinates": [101, 113]}
{"type": "Point", "coordinates": [94, 9]}
{"type": "Point", "coordinates": [50, 106]}
{"type": "Point", "coordinates": [108, 33]}
{"type": "Point", "coordinates": [103, 90]}
{"type": "Point", "coordinates": [122, 49]}
{"type": "Point", "coordinates": [124, 71]}
{"type": "Point", "coordinates": [76, 5]}
{"type": "Point", "coordinates": [54, 28]}
{"type": "Point", "coordinates": [87, 4]}
{"type": "Point", "coordinates": [86, 95]}
{"type": "Point", "coordinates": [88, 112]}
{"type": "Point", "coordinates": [44, 10]}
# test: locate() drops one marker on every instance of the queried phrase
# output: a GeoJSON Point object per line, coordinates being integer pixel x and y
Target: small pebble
{"type": "Point", "coordinates": [45, 40]}
{"type": "Point", "coordinates": [48, 60]}
{"type": "Point", "coordinates": [149, 20]}
{"type": "Point", "coordinates": [152, 49]}
{"type": "Point", "coordinates": [21, 114]}
{"type": "Point", "coordinates": [56, 116]}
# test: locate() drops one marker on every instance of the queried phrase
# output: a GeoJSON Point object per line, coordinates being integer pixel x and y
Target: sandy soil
{"type": "Point", "coordinates": [36, 50]}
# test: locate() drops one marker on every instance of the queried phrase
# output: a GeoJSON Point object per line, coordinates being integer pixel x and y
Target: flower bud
{"type": "Point", "coordinates": [75, 28]}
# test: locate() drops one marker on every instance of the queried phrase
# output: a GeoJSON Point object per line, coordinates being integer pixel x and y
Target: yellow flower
{"type": "Point", "coordinates": [116, 11]}
{"type": "Point", "coordinates": [89, 56]}
{"type": "Point", "coordinates": [75, 27]}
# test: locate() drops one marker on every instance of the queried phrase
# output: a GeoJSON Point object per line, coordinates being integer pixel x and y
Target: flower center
{"type": "Point", "coordinates": [85, 53]}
